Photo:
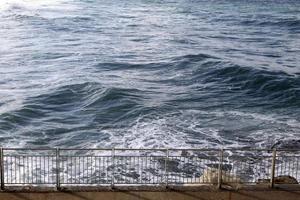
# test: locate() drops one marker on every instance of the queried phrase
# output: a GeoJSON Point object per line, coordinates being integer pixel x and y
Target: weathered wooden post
{"type": "Point", "coordinates": [166, 168]}
{"type": "Point", "coordinates": [2, 168]}
{"type": "Point", "coordinates": [273, 168]}
{"type": "Point", "coordinates": [57, 169]}
{"type": "Point", "coordinates": [113, 168]}
{"type": "Point", "coordinates": [220, 169]}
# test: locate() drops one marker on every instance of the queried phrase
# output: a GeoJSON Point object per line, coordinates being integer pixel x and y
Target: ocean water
{"type": "Point", "coordinates": [149, 73]}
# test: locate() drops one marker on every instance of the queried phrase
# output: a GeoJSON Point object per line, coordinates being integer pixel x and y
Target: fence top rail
{"type": "Point", "coordinates": [144, 149]}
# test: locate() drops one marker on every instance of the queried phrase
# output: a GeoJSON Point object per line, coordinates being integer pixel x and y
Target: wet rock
{"type": "Point", "coordinates": [225, 167]}
{"type": "Point", "coordinates": [285, 180]}
{"type": "Point", "coordinates": [173, 165]}
{"type": "Point", "coordinates": [133, 175]}
{"type": "Point", "coordinates": [287, 144]}
{"type": "Point", "coordinates": [189, 168]}
{"type": "Point", "coordinates": [279, 180]}
{"type": "Point", "coordinates": [263, 181]}
{"type": "Point", "coordinates": [211, 176]}
{"type": "Point", "coordinates": [185, 153]}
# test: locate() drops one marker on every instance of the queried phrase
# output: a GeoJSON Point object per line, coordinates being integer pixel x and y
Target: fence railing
{"type": "Point", "coordinates": [110, 167]}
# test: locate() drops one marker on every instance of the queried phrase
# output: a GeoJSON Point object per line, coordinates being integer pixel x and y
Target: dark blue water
{"type": "Point", "coordinates": [177, 73]}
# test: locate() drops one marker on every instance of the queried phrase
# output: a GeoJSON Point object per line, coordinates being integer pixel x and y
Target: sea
{"type": "Point", "coordinates": [149, 73]}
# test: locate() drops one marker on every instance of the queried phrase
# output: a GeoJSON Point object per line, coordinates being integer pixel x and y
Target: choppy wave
{"type": "Point", "coordinates": [272, 20]}
{"type": "Point", "coordinates": [207, 111]}
{"type": "Point", "coordinates": [87, 74]}
{"type": "Point", "coordinates": [32, 9]}
{"type": "Point", "coordinates": [30, 4]}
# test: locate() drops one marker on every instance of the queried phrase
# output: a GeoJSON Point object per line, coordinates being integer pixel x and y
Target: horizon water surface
{"type": "Point", "coordinates": [176, 73]}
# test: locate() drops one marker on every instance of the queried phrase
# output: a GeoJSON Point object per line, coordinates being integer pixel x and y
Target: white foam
{"type": "Point", "coordinates": [148, 132]}
{"type": "Point", "coordinates": [9, 4]}
{"type": "Point", "coordinates": [185, 129]}
{"type": "Point", "coordinates": [171, 130]}
{"type": "Point", "coordinates": [11, 106]}
{"type": "Point", "coordinates": [44, 8]}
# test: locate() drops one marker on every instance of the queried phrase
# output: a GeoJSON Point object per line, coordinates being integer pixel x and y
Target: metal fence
{"type": "Point", "coordinates": [109, 167]}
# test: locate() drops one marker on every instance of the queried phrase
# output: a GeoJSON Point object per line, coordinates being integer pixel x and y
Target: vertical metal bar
{"type": "Point", "coordinates": [91, 170]}
{"type": "Point", "coordinates": [57, 170]}
{"type": "Point", "coordinates": [27, 180]}
{"type": "Point", "coordinates": [44, 168]}
{"type": "Point", "coordinates": [47, 173]}
{"type": "Point", "coordinates": [147, 176]}
{"type": "Point", "coordinates": [2, 168]}
{"type": "Point", "coordinates": [99, 169]}
{"type": "Point", "coordinates": [79, 171]}
{"type": "Point", "coordinates": [220, 168]}
{"type": "Point", "coordinates": [31, 169]}
{"type": "Point", "coordinates": [83, 169]}
{"type": "Point", "coordinates": [23, 170]}
{"type": "Point", "coordinates": [297, 167]}
{"type": "Point", "coordinates": [15, 178]}
{"type": "Point", "coordinates": [75, 163]}
{"type": "Point", "coordinates": [113, 167]}
{"type": "Point", "coordinates": [141, 169]}
{"type": "Point", "coordinates": [11, 169]}
{"type": "Point", "coordinates": [87, 169]}
{"type": "Point", "coordinates": [68, 166]}
{"type": "Point", "coordinates": [166, 168]}
{"type": "Point", "coordinates": [36, 169]}
{"type": "Point", "coordinates": [273, 169]}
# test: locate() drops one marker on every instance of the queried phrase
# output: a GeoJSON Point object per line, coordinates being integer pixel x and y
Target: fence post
{"type": "Point", "coordinates": [57, 170]}
{"type": "Point", "coordinates": [166, 168]}
{"type": "Point", "coordinates": [113, 168]}
{"type": "Point", "coordinates": [2, 168]}
{"type": "Point", "coordinates": [220, 169]}
{"type": "Point", "coordinates": [273, 168]}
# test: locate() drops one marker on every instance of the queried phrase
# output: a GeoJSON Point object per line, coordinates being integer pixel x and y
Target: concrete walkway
{"type": "Point", "coordinates": [134, 195]}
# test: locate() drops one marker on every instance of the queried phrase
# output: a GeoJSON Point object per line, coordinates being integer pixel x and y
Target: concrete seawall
{"type": "Point", "coordinates": [147, 195]}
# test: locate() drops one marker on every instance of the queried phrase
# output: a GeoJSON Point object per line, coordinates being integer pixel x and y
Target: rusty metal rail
{"type": "Point", "coordinates": [109, 167]}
